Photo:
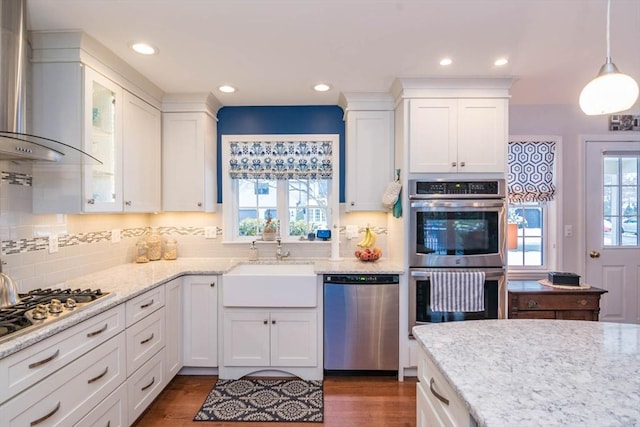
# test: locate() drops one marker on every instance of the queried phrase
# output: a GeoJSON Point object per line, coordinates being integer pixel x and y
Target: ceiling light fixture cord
{"type": "Point", "coordinates": [608, 31]}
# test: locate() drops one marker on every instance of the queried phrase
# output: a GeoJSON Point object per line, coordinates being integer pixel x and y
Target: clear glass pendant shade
{"type": "Point", "coordinates": [610, 92]}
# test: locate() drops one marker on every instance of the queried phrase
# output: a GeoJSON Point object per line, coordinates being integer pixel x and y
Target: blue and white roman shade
{"type": "Point", "coordinates": [530, 176]}
{"type": "Point", "coordinates": [280, 160]}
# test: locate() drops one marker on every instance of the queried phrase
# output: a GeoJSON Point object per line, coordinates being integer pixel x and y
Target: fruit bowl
{"type": "Point", "coordinates": [368, 254]}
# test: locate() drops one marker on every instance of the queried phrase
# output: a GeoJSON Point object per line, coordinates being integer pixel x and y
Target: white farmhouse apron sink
{"type": "Point", "coordinates": [270, 285]}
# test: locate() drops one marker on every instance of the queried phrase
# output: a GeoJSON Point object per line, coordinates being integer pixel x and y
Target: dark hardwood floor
{"type": "Point", "coordinates": [348, 402]}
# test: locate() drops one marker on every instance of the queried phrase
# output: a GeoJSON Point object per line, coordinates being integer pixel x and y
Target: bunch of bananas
{"type": "Point", "coordinates": [369, 239]}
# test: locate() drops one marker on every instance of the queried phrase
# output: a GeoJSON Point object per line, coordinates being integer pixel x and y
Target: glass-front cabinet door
{"type": "Point", "coordinates": [103, 140]}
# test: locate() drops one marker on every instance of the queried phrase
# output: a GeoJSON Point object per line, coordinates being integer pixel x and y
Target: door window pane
{"type": "Point", "coordinates": [620, 199]}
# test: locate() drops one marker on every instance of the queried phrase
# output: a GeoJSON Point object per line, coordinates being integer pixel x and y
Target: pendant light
{"type": "Point", "coordinates": [611, 91]}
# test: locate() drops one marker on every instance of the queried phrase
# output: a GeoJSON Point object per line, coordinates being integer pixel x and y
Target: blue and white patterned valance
{"type": "Point", "coordinates": [531, 167]}
{"type": "Point", "coordinates": [280, 160]}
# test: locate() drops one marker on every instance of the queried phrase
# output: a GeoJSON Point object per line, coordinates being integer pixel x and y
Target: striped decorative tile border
{"type": "Point", "coordinates": [10, 247]}
{"type": "Point", "coordinates": [17, 178]}
{"type": "Point", "coordinates": [66, 240]}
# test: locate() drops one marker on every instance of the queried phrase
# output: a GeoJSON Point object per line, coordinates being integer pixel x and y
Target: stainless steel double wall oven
{"type": "Point", "coordinates": [456, 226]}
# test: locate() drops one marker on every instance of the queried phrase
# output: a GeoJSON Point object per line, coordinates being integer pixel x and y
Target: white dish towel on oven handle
{"type": "Point", "coordinates": [453, 291]}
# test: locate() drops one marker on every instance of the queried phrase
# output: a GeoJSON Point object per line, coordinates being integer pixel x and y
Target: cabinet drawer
{"type": "Point", "coordinates": [111, 412]}
{"type": "Point", "coordinates": [144, 339]}
{"type": "Point", "coordinates": [23, 369]}
{"type": "Point", "coordinates": [452, 413]}
{"type": "Point", "coordinates": [63, 398]}
{"type": "Point", "coordinates": [145, 304]}
{"type": "Point", "coordinates": [145, 385]}
{"type": "Point", "coordinates": [539, 314]}
{"type": "Point", "coordinates": [558, 302]}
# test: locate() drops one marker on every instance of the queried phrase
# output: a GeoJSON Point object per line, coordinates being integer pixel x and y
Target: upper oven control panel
{"type": "Point", "coordinates": [477, 189]}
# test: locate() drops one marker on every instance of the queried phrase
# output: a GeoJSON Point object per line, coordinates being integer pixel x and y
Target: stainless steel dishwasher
{"type": "Point", "coordinates": [361, 322]}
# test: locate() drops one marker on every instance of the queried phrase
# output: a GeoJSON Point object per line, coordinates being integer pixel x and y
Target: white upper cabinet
{"type": "Point", "coordinates": [142, 153]}
{"type": "Point", "coordinates": [189, 153]}
{"type": "Point", "coordinates": [102, 182]}
{"type": "Point", "coordinates": [454, 125]}
{"type": "Point", "coordinates": [91, 100]}
{"type": "Point", "coordinates": [369, 149]}
{"type": "Point", "coordinates": [457, 135]}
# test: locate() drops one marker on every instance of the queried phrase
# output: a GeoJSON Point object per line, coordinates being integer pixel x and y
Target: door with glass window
{"type": "Point", "coordinates": [611, 238]}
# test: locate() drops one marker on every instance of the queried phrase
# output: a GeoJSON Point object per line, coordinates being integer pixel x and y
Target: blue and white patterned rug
{"type": "Point", "coordinates": [283, 400]}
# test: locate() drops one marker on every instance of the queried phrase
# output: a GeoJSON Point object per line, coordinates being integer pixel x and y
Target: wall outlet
{"type": "Point", "coordinates": [115, 235]}
{"type": "Point", "coordinates": [211, 232]}
{"type": "Point", "coordinates": [568, 231]}
{"type": "Point", "coordinates": [53, 243]}
{"type": "Point", "coordinates": [351, 231]}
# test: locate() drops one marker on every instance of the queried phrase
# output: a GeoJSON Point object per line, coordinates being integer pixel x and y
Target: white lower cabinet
{"type": "Point", "coordinates": [63, 398]}
{"type": "Point", "coordinates": [145, 385]}
{"type": "Point", "coordinates": [173, 313]}
{"type": "Point", "coordinates": [200, 321]}
{"type": "Point", "coordinates": [144, 339]}
{"type": "Point", "coordinates": [25, 368]}
{"type": "Point", "coordinates": [437, 404]}
{"type": "Point", "coordinates": [277, 338]}
{"type": "Point", "coordinates": [111, 412]}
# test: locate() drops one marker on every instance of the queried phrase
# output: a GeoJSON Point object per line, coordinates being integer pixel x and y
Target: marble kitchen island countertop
{"type": "Point", "coordinates": [540, 372]}
{"type": "Point", "coordinates": [127, 281]}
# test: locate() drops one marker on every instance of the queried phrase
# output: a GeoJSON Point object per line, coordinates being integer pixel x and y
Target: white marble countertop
{"type": "Point", "coordinates": [129, 280]}
{"type": "Point", "coordinates": [540, 372]}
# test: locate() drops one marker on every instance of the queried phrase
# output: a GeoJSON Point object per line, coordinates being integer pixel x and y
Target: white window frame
{"type": "Point", "coordinates": [230, 202]}
{"type": "Point", "coordinates": [551, 214]}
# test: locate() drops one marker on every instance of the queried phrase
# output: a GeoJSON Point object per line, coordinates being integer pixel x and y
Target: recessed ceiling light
{"type": "Point", "coordinates": [226, 89]}
{"type": "Point", "coordinates": [144, 48]}
{"type": "Point", "coordinates": [322, 87]}
{"type": "Point", "coordinates": [500, 62]}
{"type": "Point", "coordinates": [446, 61]}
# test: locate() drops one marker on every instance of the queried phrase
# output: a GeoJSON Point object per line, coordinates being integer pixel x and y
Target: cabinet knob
{"type": "Point", "coordinates": [127, 203]}
{"type": "Point", "coordinates": [91, 201]}
{"type": "Point", "coordinates": [212, 284]}
{"type": "Point", "coordinates": [453, 164]}
{"type": "Point", "coordinates": [594, 254]}
{"type": "Point", "coordinates": [265, 321]}
{"type": "Point", "coordinates": [582, 302]}
{"type": "Point", "coordinates": [462, 164]}
{"type": "Point", "coordinates": [199, 204]}
{"type": "Point", "coordinates": [532, 303]}
{"type": "Point", "coordinates": [273, 322]}
{"type": "Point", "coordinates": [352, 203]}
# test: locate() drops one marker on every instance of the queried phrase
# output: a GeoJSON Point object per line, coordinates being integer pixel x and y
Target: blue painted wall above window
{"type": "Point", "coordinates": [269, 120]}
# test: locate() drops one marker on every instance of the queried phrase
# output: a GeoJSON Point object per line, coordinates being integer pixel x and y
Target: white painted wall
{"type": "Point", "coordinates": [569, 122]}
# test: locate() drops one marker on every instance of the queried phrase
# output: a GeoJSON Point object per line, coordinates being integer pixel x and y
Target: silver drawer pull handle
{"type": "Point", "coordinates": [147, 340]}
{"type": "Point", "coordinates": [93, 380]}
{"type": "Point", "coordinates": [153, 380]}
{"type": "Point", "coordinates": [43, 361]}
{"type": "Point", "coordinates": [436, 394]}
{"type": "Point", "coordinates": [49, 415]}
{"type": "Point", "coordinates": [149, 304]}
{"type": "Point", "coordinates": [98, 332]}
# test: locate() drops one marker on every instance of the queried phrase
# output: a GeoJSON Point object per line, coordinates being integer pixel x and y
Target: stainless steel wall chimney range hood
{"type": "Point", "coordinates": [15, 142]}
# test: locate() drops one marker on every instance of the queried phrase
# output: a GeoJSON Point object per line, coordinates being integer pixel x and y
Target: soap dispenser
{"type": "Point", "coordinates": [253, 252]}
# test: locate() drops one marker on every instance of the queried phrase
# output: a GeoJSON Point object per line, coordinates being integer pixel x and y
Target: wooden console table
{"type": "Point", "coordinates": [532, 300]}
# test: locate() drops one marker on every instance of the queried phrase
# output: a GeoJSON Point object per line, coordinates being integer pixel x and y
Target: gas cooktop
{"type": "Point", "coordinates": [42, 306]}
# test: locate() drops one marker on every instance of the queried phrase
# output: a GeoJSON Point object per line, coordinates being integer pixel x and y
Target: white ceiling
{"type": "Point", "coordinates": [275, 50]}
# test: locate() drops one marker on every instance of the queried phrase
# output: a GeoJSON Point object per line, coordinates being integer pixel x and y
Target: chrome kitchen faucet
{"type": "Point", "coordinates": [280, 253]}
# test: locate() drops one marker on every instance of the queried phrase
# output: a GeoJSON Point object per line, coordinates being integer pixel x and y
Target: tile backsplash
{"type": "Point", "coordinates": [85, 242]}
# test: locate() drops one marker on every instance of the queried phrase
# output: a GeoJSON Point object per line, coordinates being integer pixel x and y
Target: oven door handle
{"type": "Point", "coordinates": [488, 274]}
{"type": "Point", "coordinates": [459, 204]}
